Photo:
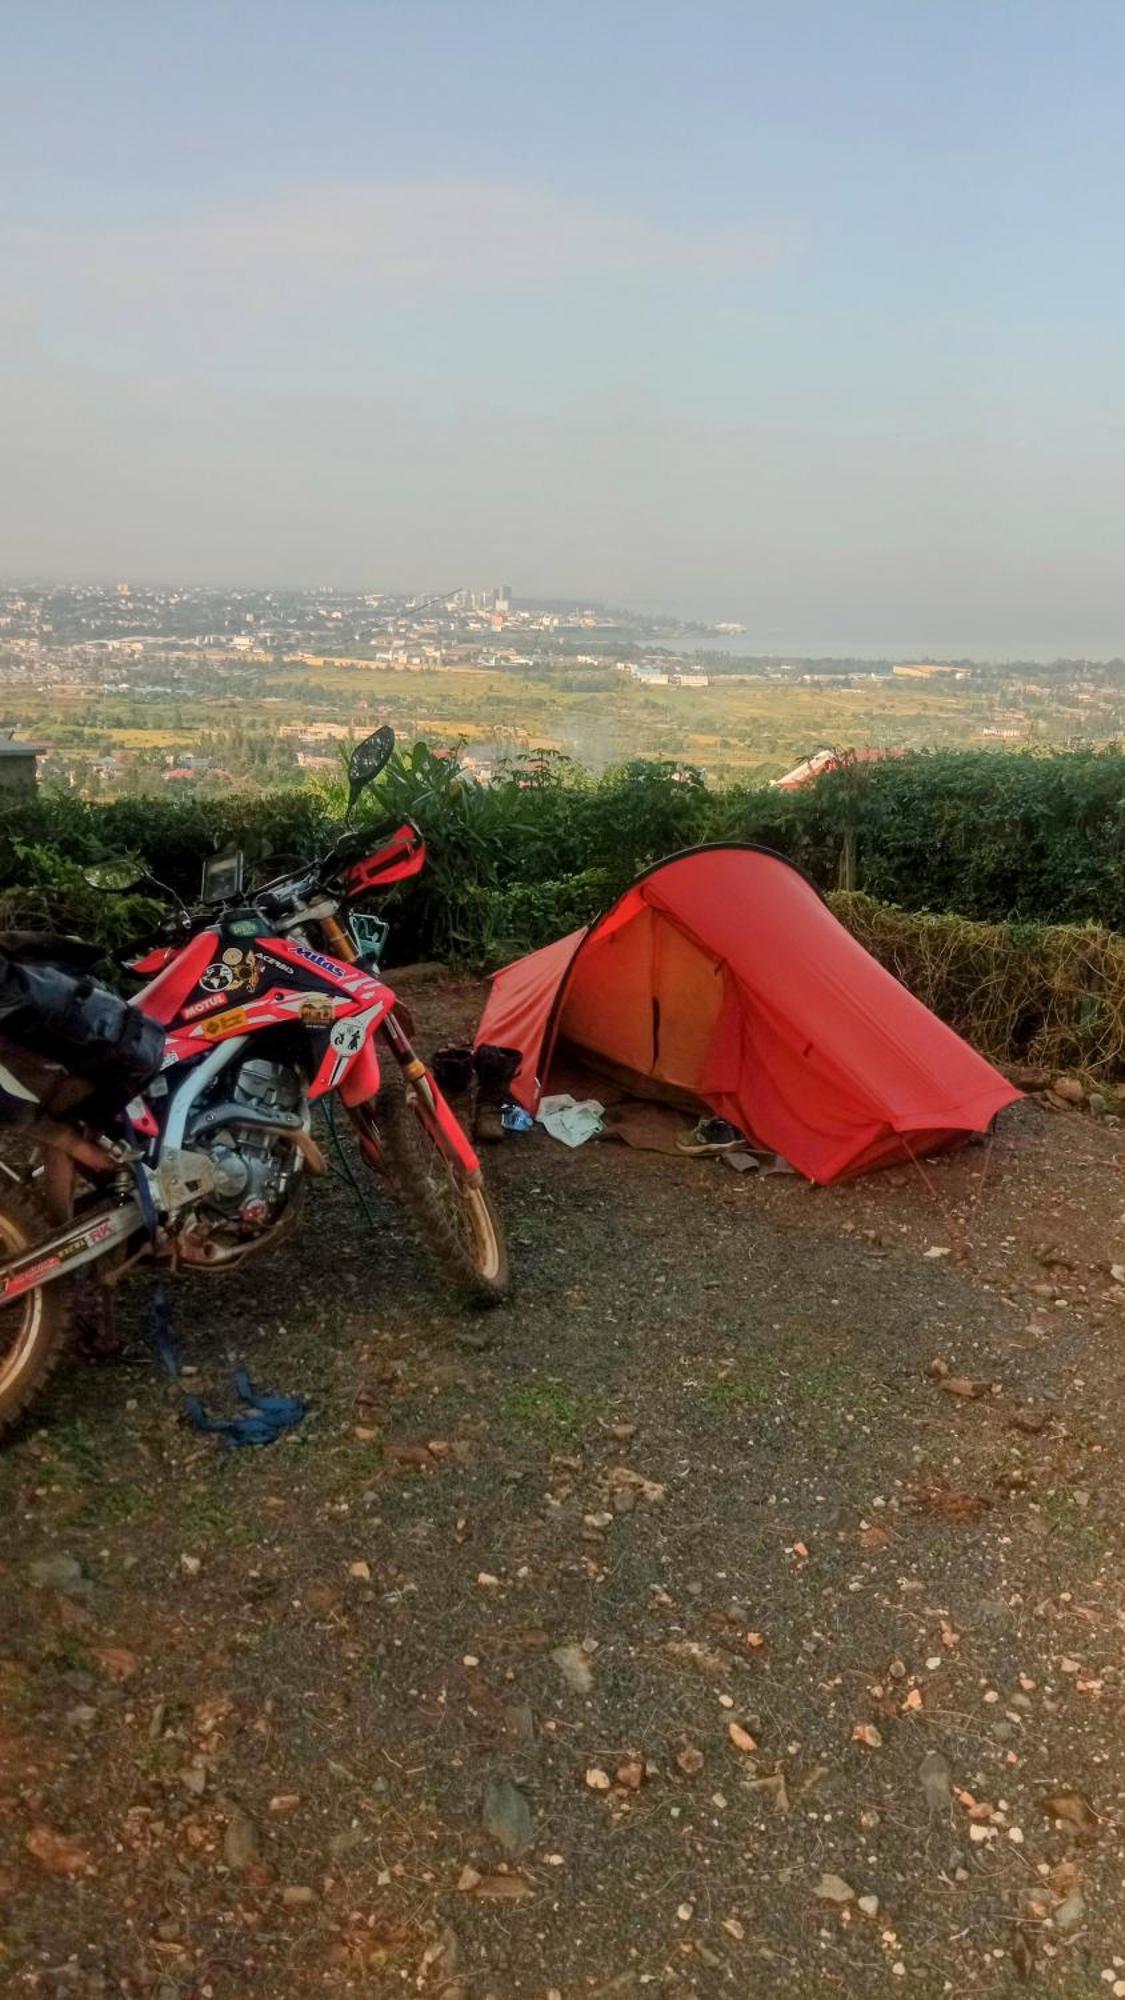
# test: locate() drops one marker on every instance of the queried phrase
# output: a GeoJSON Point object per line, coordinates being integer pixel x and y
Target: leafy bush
{"type": "Point", "coordinates": [992, 835]}
{"type": "Point", "coordinates": [995, 836]}
{"type": "Point", "coordinates": [1027, 850]}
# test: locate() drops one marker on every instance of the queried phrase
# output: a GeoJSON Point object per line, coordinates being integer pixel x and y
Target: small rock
{"type": "Point", "coordinates": [63, 1573]}
{"type": "Point", "coordinates": [992, 1613]}
{"type": "Point", "coordinates": [81, 1716]}
{"type": "Point", "coordinates": [504, 1889]}
{"type": "Point", "coordinates": [519, 1722]}
{"type": "Point", "coordinates": [936, 1781]}
{"type": "Point", "coordinates": [689, 1760]}
{"type": "Point", "coordinates": [869, 1905]}
{"type": "Point", "coordinates": [630, 1774]}
{"type": "Point", "coordinates": [834, 1889]}
{"type": "Point", "coordinates": [1069, 1089]}
{"type": "Point", "coordinates": [1074, 1811]}
{"type": "Point", "coordinates": [240, 1842]}
{"type": "Point", "coordinates": [506, 1815]}
{"type": "Point", "coordinates": [116, 1662]}
{"type": "Point", "coordinates": [573, 1663]}
{"type": "Point", "coordinates": [468, 1879]}
{"type": "Point", "coordinates": [1071, 1911]}
{"type": "Point", "coordinates": [285, 1802]}
{"type": "Point", "coordinates": [191, 1565]}
{"type": "Point", "coordinates": [297, 1896]}
{"type": "Point", "coordinates": [597, 1779]}
{"type": "Point", "coordinates": [56, 1852]}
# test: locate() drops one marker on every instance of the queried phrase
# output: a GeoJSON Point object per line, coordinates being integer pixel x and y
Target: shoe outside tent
{"type": "Point", "coordinates": [722, 979]}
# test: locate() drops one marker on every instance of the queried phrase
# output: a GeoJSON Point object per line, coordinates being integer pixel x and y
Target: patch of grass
{"type": "Point", "coordinates": [549, 1411]}
{"type": "Point", "coordinates": [343, 1469]}
{"type": "Point", "coordinates": [732, 1392]}
{"type": "Point", "coordinates": [77, 1455]}
{"type": "Point", "coordinates": [824, 1384]}
{"type": "Point", "coordinates": [204, 1511]}
{"type": "Point", "coordinates": [63, 1653]}
{"type": "Point", "coordinates": [1070, 1523]}
{"type": "Point", "coordinates": [781, 1374]}
{"type": "Point", "coordinates": [120, 1504]}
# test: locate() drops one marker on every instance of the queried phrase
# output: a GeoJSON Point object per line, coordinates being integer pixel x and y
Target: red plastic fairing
{"type": "Point", "coordinates": [403, 855]}
{"type": "Point", "coordinates": [154, 960]}
{"type": "Point", "coordinates": [361, 1080]}
{"type": "Point", "coordinates": [163, 997]}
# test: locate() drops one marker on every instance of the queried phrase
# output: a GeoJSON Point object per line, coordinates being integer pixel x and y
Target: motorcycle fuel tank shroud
{"type": "Point", "coordinates": [263, 981]}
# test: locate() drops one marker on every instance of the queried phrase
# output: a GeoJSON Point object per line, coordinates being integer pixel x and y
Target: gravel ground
{"type": "Point", "coordinates": [739, 1610]}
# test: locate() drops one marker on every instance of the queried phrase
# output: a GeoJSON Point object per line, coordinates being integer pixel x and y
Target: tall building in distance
{"type": "Point", "coordinates": [497, 598]}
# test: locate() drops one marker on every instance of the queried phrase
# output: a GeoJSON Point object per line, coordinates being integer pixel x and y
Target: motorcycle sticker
{"type": "Point", "coordinates": [206, 1006]}
{"type": "Point", "coordinates": [344, 975]}
{"type": "Point", "coordinates": [225, 1024]}
{"type": "Point", "coordinates": [218, 979]}
{"type": "Point", "coordinates": [347, 1037]}
{"type": "Point", "coordinates": [316, 1013]}
{"type": "Point", "coordinates": [22, 1281]}
{"type": "Point", "coordinates": [238, 972]}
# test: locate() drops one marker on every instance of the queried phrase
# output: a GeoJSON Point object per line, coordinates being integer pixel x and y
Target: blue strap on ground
{"type": "Point", "coordinates": [272, 1415]}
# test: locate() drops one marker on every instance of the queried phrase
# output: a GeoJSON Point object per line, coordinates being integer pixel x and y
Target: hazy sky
{"type": "Point", "coordinates": [808, 313]}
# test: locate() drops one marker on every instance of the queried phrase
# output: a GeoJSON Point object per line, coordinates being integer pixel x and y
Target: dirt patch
{"type": "Point", "coordinates": [674, 1628]}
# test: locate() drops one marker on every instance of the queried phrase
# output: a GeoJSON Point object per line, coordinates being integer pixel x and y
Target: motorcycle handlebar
{"type": "Point", "coordinates": [354, 844]}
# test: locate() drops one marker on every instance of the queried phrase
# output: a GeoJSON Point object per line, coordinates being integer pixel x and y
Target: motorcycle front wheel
{"type": "Point", "coordinates": [35, 1327]}
{"type": "Point", "coordinates": [452, 1214]}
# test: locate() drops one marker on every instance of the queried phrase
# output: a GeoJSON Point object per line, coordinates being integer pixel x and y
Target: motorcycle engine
{"type": "Point", "coordinates": [255, 1168]}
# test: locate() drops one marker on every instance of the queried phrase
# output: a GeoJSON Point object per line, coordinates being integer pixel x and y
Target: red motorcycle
{"type": "Point", "coordinates": [177, 1129]}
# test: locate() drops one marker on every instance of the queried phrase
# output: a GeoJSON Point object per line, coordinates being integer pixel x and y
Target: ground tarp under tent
{"type": "Point", "coordinates": [722, 979]}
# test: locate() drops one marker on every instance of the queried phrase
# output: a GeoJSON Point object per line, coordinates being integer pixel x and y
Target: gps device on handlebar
{"type": "Point", "coordinates": [222, 877]}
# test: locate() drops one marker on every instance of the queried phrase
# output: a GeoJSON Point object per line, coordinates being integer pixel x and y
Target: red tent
{"type": "Point", "coordinates": [721, 974]}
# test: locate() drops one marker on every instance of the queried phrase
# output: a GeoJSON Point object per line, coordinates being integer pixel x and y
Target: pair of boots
{"type": "Point", "coordinates": [477, 1081]}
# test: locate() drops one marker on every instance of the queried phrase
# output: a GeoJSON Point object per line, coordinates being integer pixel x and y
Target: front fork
{"type": "Point", "coordinates": [433, 1109]}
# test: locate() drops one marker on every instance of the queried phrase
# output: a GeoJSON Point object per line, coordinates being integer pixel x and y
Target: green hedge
{"type": "Point", "coordinates": [995, 836]}
{"type": "Point", "coordinates": [1024, 853]}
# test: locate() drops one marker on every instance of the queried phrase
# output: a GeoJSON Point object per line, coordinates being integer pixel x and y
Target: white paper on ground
{"type": "Point", "coordinates": [566, 1119]}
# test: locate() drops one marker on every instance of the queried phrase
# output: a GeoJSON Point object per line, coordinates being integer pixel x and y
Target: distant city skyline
{"type": "Point", "coordinates": [806, 318]}
{"type": "Point", "coordinates": [730, 637]}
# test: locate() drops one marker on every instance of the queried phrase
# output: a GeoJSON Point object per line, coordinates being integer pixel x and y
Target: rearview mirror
{"type": "Point", "coordinates": [367, 760]}
{"type": "Point", "coordinates": [125, 872]}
